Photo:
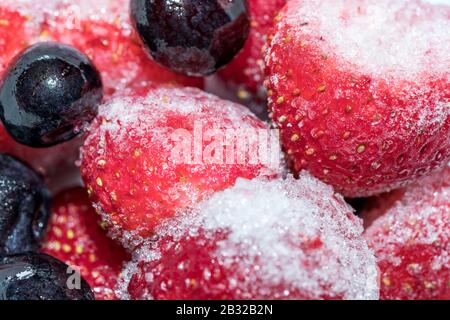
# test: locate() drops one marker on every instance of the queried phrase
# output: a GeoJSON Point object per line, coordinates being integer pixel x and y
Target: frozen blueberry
{"type": "Point", "coordinates": [34, 276]}
{"type": "Point", "coordinates": [24, 207]}
{"type": "Point", "coordinates": [192, 37]}
{"type": "Point", "coordinates": [49, 92]}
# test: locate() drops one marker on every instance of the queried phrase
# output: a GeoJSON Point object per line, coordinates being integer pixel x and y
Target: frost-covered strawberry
{"type": "Point", "coordinates": [361, 90]}
{"type": "Point", "coordinates": [279, 239]}
{"type": "Point", "coordinates": [75, 237]}
{"type": "Point", "coordinates": [410, 234]}
{"type": "Point", "coordinates": [246, 71]}
{"type": "Point", "coordinates": [55, 164]}
{"type": "Point", "coordinates": [13, 36]}
{"type": "Point", "coordinates": [151, 153]}
{"type": "Point", "coordinates": [102, 30]}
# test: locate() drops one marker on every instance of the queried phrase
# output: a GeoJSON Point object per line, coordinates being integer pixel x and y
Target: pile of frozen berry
{"type": "Point", "coordinates": [126, 174]}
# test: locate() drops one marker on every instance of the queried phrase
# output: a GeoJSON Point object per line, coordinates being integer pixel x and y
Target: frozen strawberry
{"type": "Point", "coordinates": [246, 71]}
{"type": "Point", "coordinates": [279, 239]}
{"type": "Point", "coordinates": [13, 37]}
{"type": "Point", "coordinates": [56, 164]}
{"type": "Point", "coordinates": [150, 154]}
{"type": "Point", "coordinates": [360, 90]}
{"type": "Point", "coordinates": [242, 79]}
{"type": "Point", "coordinates": [411, 239]}
{"type": "Point", "coordinates": [373, 207]}
{"type": "Point", "coordinates": [257, 104]}
{"type": "Point", "coordinates": [75, 237]}
{"type": "Point", "coordinates": [102, 30]}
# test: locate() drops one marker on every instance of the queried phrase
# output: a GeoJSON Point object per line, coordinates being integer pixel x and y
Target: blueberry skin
{"type": "Point", "coordinates": [192, 37]}
{"type": "Point", "coordinates": [36, 276]}
{"type": "Point", "coordinates": [24, 207]}
{"type": "Point", "coordinates": [49, 92]}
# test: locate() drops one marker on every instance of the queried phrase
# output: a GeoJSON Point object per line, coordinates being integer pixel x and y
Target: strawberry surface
{"type": "Point", "coordinates": [13, 37]}
{"type": "Point", "coordinates": [76, 238]}
{"type": "Point", "coordinates": [279, 239]}
{"type": "Point", "coordinates": [102, 30]}
{"type": "Point", "coordinates": [151, 153]}
{"type": "Point", "coordinates": [409, 231]}
{"type": "Point", "coordinates": [360, 91]}
{"type": "Point", "coordinates": [246, 71]}
{"type": "Point", "coordinates": [55, 164]}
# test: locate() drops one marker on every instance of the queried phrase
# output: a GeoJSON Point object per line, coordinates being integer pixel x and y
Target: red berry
{"type": "Point", "coordinates": [13, 37]}
{"type": "Point", "coordinates": [75, 237]}
{"type": "Point", "coordinates": [103, 31]}
{"type": "Point", "coordinates": [259, 240]}
{"type": "Point", "coordinates": [411, 239]}
{"type": "Point", "coordinates": [246, 71]}
{"type": "Point", "coordinates": [360, 91]}
{"type": "Point", "coordinates": [129, 162]}
{"type": "Point", "coordinates": [107, 38]}
{"type": "Point", "coordinates": [56, 162]}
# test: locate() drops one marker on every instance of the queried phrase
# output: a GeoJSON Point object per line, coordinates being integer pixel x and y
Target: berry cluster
{"type": "Point", "coordinates": [122, 176]}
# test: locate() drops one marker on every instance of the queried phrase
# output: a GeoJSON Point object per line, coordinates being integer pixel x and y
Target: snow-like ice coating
{"type": "Point", "coordinates": [289, 238]}
{"type": "Point", "coordinates": [387, 38]}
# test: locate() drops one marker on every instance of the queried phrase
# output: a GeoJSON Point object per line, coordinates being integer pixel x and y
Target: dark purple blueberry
{"type": "Point", "coordinates": [34, 276]}
{"type": "Point", "coordinates": [192, 37]}
{"type": "Point", "coordinates": [49, 92]}
{"type": "Point", "coordinates": [24, 207]}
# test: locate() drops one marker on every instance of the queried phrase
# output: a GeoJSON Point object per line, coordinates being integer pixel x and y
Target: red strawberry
{"type": "Point", "coordinates": [75, 238]}
{"type": "Point", "coordinates": [102, 30]}
{"type": "Point", "coordinates": [106, 37]}
{"type": "Point", "coordinates": [56, 164]}
{"type": "Point", "coordinates": [411, 239]}
{"type": "Point", "coordinates": [129, 163]}
{"type": "Point", "coordinates": [13, 37]}
{"type": "Point", "coordinates": [282, 239]}
{"type": "Point", "coordinates": [371, 208]}
{"type": "Point", "coordinates": [246, 71]}
{"type": "Point", "coordinates": [361, 90]}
